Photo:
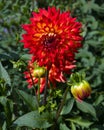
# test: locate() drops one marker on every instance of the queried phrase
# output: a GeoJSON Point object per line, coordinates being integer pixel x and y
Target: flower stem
{"type": "Point", "coordinates": [34, 86]}
{"type": "Point", "coordinates": [45, 90]}
{"type": "Point", "coordinates": [62, 104]}
{"type": "Point", "coordinates": [39, 89]}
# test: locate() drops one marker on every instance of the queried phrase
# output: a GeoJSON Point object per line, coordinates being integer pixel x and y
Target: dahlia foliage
{"type": "Point", "coordinates": [52, 38]}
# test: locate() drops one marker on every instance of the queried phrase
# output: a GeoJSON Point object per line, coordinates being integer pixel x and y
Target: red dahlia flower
{"type": "Point", "coordinates": [33, 72]}
{"type": "Point", "coordinates": [53, 38]}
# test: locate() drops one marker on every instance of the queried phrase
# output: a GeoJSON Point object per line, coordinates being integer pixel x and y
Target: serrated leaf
{"type": "Point", "coordinates": [87, 108]}
{"type": "Point", "coordinates": [63, 127]}
{"type": "Point", "coordinates": [4, 74]}
{"type": "Point", "coordinates": [80, 121]}
{"type": "Point", "coordinates": [68, 106]}
{"type": "Point", "coordinates": [29, 99]}
{"type": "Point", "coordinates": [33, 120]}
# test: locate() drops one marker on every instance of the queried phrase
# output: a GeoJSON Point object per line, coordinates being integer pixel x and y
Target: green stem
{"type": "Point", "coordinates": [39, 90]}
{"type": "Point", "coordinates": [34, 87]}
{"type": "Point", "coordinates": [62, 104]}
{"type": "Point", "coordinates": [45, 90]}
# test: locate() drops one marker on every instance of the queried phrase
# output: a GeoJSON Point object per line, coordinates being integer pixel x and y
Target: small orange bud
{"type": "Point", "coordinates": [39, 72]}
{"type": "Point", "coordinates": [81, 90]}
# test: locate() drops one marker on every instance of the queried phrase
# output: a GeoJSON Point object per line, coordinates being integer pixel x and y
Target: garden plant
{"type": "Point", "coordinates": [51, 65]}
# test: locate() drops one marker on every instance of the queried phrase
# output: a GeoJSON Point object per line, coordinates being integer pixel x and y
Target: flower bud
{"type": "Point", "coordinates": [81, 90]}
{"type": "Point", "coordinates": [39, 72]}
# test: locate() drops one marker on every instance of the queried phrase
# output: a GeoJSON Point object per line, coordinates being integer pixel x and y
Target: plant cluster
{"type": "Point", "coordinates": [54, 96]}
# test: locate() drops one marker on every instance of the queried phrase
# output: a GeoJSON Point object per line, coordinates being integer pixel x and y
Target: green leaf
{"type": "Point", "coordinates": [29, 99]}
{"type": "Point", "coordinates": [26, 57]}
{"type": "Point", "coordinates": [73, 126]}
{"type": "Point", "coordinates": [8, 108]}
{"type": "Point", "coordinates": [63, 127]}
{"type": "Point", "coordinates": [80, 121]}
{"type": "Point", "coordinates": [4, 101]}
{"type": "Point", "coordinates": [87, 108]}
{"type": "Point", "coordinates": [97, 127]}
{"type": "Point", "coordinates": [99, 99]}
{"type": "Point", "coordinates": [4, 126]}
{"type": "Point", "coordinates": [33, 120]}
{"type": "Point", "coordinates": [5, 56]}
{"type": "Point", "coordinates": [4, 74]}
{"type": "Point", "coordinates": [68, 106]}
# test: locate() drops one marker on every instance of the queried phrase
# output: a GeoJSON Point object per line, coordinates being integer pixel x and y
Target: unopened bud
{"type": "Point", "coordinates": [81, 90]}
{"type": "Point", "coordinates": [39, 72]}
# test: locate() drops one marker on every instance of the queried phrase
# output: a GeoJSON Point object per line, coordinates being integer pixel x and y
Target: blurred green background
{"type": "Point", "coordinates": [90, 59]}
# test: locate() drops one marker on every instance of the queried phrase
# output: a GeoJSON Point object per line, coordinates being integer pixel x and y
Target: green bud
{"type": "Point", "coordinates": [39, 72]}
{"type": "Point", "coordinates": [81, 90]}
